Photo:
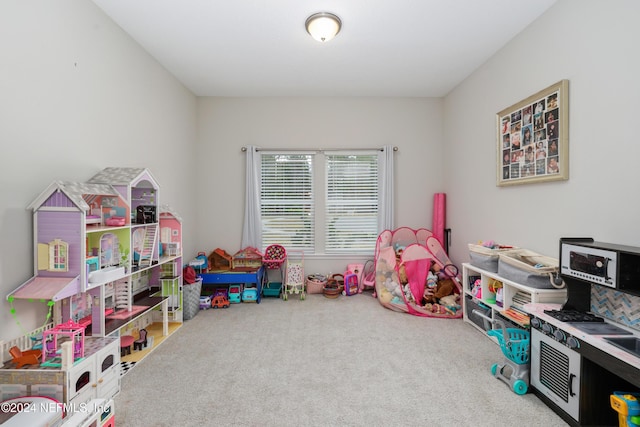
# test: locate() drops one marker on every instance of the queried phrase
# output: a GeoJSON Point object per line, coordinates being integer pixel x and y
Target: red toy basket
{"type": "Point", "coordinates": [274, 256]}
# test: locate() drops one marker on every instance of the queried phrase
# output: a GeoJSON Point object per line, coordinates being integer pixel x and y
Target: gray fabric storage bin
{"type": "Point", "coordinates": [485, 262]}
{"type": "Point", "coordinates": [191, 299]}
{"type": "Point", "coordinates": [527, 268]}
{"type": "Point", "coordinates": [485, 258]}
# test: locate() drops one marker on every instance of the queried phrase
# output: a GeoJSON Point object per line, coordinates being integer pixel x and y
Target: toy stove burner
{"type": "Point", "coordinates": [573, 316]}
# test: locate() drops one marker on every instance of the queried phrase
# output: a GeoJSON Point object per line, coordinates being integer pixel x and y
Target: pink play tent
{"type": "Point", "coordinates": [413, 251]}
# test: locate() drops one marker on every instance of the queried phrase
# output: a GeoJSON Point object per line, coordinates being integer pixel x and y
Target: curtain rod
{"type": "Point", "coordinates": [244, 149]}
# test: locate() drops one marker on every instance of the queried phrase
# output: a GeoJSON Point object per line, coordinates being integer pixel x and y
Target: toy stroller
{"type": "Point", "coordinates": [514, 342]}
{"type": "Point", "coordinates": [294, 275]}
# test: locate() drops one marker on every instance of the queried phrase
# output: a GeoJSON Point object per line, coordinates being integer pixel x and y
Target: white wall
{"type": "Point", "coordinates": [593, 44]}
{"type": "Point", "coordinates": [225, 125]}
{"type": "Point", "coordinates": [78, 95]}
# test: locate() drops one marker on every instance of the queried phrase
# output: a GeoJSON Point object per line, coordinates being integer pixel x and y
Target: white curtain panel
{"type": "Point", "coordinates": [251, 228]}
{"type": "Point", "coordinates": [385, 216]}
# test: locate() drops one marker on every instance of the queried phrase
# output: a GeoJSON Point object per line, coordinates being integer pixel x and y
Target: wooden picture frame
{"type": "Point", "coordinates": [533, 138]}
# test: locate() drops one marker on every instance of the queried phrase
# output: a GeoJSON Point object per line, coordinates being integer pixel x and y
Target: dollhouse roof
{"type": "Point", "coordinates": [75, 191]}
{"type": "Point", "coordinates": [47, 288]}
{"type": "Point", "coordinates": [169, 210]}
{"type": "Point", "coordinates": [248, 253]}
{"type": "Point", "coordinates": [123, 176]}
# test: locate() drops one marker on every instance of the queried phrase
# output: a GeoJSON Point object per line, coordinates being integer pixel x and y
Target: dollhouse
{"type": "Point", "coordinates": [220, 260]}
{"type": "Point", "coordinates": [248, 259]}
{"type": "Point", "coordinates": [108, 259]}
{"type": "Point", "coordinates": [170, 273]}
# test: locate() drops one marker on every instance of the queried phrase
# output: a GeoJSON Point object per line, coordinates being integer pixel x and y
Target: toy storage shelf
{"type": "Point", "coordinates": [515, 295]}
{"type": "Point", "coordinates": [248, 278]}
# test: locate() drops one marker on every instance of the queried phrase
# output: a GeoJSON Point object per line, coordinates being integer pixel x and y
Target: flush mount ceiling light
{"type": "Point", "coordinates": [323, 26]}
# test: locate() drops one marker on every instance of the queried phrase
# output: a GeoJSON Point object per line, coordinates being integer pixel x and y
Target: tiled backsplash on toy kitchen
{"type": "Point", "coordinates": [615, 305]}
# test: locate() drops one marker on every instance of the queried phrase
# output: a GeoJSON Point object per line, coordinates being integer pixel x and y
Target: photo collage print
{"type": "Point", "coordinates": [530, 139]}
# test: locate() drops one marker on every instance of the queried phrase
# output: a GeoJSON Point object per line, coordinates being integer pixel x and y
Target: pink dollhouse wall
{"type": "Point", "coordinates": [174, 224]}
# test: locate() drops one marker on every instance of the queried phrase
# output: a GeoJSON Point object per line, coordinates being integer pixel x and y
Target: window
{"type": "Point", "coordinates": [109, 250]}
{"type": "Point", "coordinates": [58, 251]}
{"type": "Point", "coordinates": [320, 202]}
{"type": "Point", "coordinates": [287, 200]}
{"type": "Point", "coordinates": [351, 208]}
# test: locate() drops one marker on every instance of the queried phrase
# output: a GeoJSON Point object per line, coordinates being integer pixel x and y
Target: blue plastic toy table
{"type": "Point", "coordinates": [232, 277]}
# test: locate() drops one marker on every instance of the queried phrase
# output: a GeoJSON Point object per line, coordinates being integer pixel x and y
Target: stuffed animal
{"type": "Point", "coordinates": [450, 303]}
{"type": "Point", "coordinates": [402, 273]}
{"type": "Point", "coordinates": [444, 288]}
{"type": "Point", "coordinates": [435, 308]}
{"type": "Point", "coordinates": [384, 296]}
{"type": "Point", "coordinates": [432, 280]}
{"type": "Point", "coordinates": [408, 294]}
{"type": "Point", "coordinates": [438, 271]}
{"type": "Point", "coordinates": [390, 289]}
{"type": "Point", "coordinates": [399, 249]}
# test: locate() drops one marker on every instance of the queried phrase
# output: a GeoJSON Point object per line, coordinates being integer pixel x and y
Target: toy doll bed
{"type": "Point", "coordinates": [404, 259]}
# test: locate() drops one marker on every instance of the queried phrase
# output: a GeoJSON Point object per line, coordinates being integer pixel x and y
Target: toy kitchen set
{"type": "Point", "coordinates": [587, 349]}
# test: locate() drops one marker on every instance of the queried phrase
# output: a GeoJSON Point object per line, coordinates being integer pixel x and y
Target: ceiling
{"type": "Point", "coordinates": [421, 48]}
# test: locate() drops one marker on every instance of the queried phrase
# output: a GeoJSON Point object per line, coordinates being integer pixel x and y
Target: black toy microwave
{"type": "Point", "coordinates": [605, 264]}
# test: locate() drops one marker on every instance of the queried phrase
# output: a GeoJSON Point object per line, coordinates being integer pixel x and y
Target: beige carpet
{"type": "Point", "coordinates": [322, 362]}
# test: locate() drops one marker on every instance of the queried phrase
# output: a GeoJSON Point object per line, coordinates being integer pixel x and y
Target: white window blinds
{"type": "Point", "coordinates": [287, 200]}
{"type": "Point", "coordinates": [351, 207]}
{"type": "Point", "coordinates": [323, 202]}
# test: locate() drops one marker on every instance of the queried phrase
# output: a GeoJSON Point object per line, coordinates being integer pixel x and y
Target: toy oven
{"type": "Point", "coordinates": [555, 372]}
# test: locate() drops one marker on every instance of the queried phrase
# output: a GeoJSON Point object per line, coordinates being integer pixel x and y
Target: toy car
{"type": "Point", "coordinates": [220, 301]}
{"type": "Point", "coordinates": [205, 302]}
{"type": "Point", "coordinates": [250, 295]}
{"type": "Point", "coordinates": [235, 293]}
{"type": "Point", "coordinates": [221, 291]}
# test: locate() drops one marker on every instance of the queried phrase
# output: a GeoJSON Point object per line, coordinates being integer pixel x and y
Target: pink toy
{"type": "Point", "coordinates": [350, 284]}
{"type": "Point", "coordinates": [355, 269]}
{"type": "Point", "coordinates": [368, 277]}
{"type": "Point", "coordinates": [476, 291]}
{"type": "Point", "coordinates": [115, 221]}
{"type": "Point", "coordinates": [74, 331]}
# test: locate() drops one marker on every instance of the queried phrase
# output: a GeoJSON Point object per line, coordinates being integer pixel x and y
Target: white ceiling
{"type": "Point", "coordinates": [260, 47]}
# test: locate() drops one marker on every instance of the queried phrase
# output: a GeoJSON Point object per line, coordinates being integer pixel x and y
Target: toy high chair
{"type": "Point", "coordinates": [368, 277]}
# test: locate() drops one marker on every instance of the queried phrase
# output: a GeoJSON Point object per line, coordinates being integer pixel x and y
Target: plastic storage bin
{"type": "Point", "coordinates": [272, 289]}
{"type": "Point", "coordinates": [191, 299]}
